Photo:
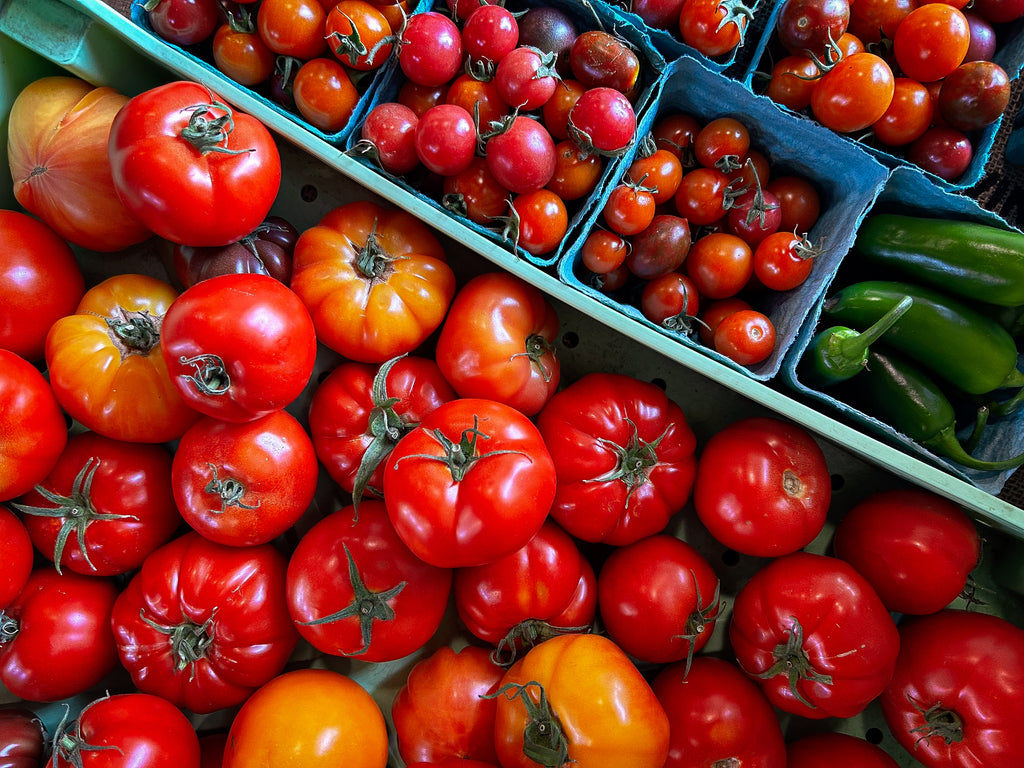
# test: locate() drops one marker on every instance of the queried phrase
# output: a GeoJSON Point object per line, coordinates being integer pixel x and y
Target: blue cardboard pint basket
{"type": "Point", "coordinates": [847, 181]}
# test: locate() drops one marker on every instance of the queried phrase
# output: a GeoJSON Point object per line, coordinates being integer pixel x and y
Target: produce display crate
{"type": "Point", "coordinates": [319, 175]}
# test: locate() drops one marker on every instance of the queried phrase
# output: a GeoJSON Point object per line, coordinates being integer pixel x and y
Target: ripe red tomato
{"type": "Point", "coordinates": [824, 750]}
{"type": "Point", "coordinates": [445, 139]}
{"type": "Point", "coordinates": [813, 634]}
{"type": "Point", "coordinates": [42, 283]}
{"type": "Point", "coordinates": [916, 548]}
{"type": "Point", "coordinates": [356, 590]}
{"type": "Point", "coordinates": [762, 486]}
{"type": "Point", "coordinates": [909, 114]}
{"type": "Point", "coordinates": [475, 194]}
{"type": "Point", "coordinates": [603, 251]}
{"type": "Point", "coordinates": [576, 174]}
{"type": "Point", "coordinates": [190, 168]}
{"type": "Point", "coordinates": [489, 33]}
{"type": "Point", "coordinates": [660, 171]}
{"type": "Point", "coordinates": [701, 196]}
{"type": "Point", "coordinates": [542, 221]}
{"type": "Point", "coordinates": [430, 49]}
{"type": "Point", "coordinates": [720, 264]}
{"type": "Point", "coordinates": [57, 640]}
{"type": "Point", "coordinates": [624, 456]}
{"type": "Point", "coordinates": [931, 42]}
{"type": "Point", "coordinates": [671, 301]}
{"type": "Point", "coordinates": [324, 93]}
{"type": "Point", "coordinates": [659, 599]}
{"type": "Point", "coordinates": [183, 22]}
{"type": "Point", "coordinates": [946, 152]}
{"type": "Point", "coordinates": [784, 260]}
{"type": "Point", "coordinates": [746, 337]}
{"type": "Point", "coordinates": [717, 715]}
{"type": "Point", "coordinates": [18, 556]}
{"type": "Point", "coordinates": [792, 81]}
{"type": "Point", "coordinates": [938, 706]}
{"type": "Point", "coordinates": [498, 343]}
{"type": "Point", "coordinates": [521, 155]}
{"type": "Point", "coordinates": [242, 55]}
{"type": "Point", "coordinates": [603, 121]}
{"type": "Point", "coordinates": [854, 93]}
{"type": "Point", "coordinates": [389, 133]}
{"type": "Point", "coordinates": [293, 27]}
{"type": "Point", "coordinates": [799, 200]}
{"type": "Point", "coordinates": [712, 27]}
{"type": "Point", "coordinates": [359, 34]}
{"type": "Point", "coordinates": [525, 78]}
{"type": "Point", "coordinates": [628, 209]}
{"type": "Point", "coordinates": [472, 483]}
{"type": "Point", "coordinates": [203, 624]}
{"type": "Point", "coordinates": [808, 25]}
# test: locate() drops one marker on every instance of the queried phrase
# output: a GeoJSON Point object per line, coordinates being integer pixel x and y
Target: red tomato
{"type": "Point", "coordinates": [784, 260]}
{"type": "Point", "coordinates": [242, 55]}
{"type": "Point", "coordinates": [18, 556]}
{"type": "Point", "coordinates": [472, 483]}
{"type": "Point", "coordinates": [430, 49]}
{"type": "Point", "coordinates": [203, 624]}
{"type": "Point", "coordinates": [443, 710]}
{"type": "Point", "coordinates": [475, 194]}
{"type": "Point", "coordinates": [542, 221]}
{"type": "Point", "coordinates": [325, 94]}
{"type": "Point", "coordinates": [358, 33]}
{"type": "Point", "coordinates": [931, 42]}
{"type": "Point", "coordinates": [546, 587]}
{"type": "Point", "coordinates": [498, 343]}
{"type": "Point", "coordinates": [916, 548]}
{"type": "Point", "coordinates": [628, 209]}
{"type": "Point", "coordinates": [824, 750]}
{"type": "Point", "coordinates": [713, 27]}
{"type": "Point", "coordinates": [671, 301]}
{"type": "Point", "coordinates": [388, 136]}
{"type": "Point", "coordinates": [445, 139]}
{"type": "Point", "coordinates": [813, 634]}
{"type": "Point", "coordinates": [127, 729]}
{"type": "Point", "coordinates": [659, 599]}
{"type": "Point", "coordinates": [104, 507]}
{"type": "Point", "coordinates": [660, 171]}
{"type": "Point", "coordinates": [799, 201]}
{"type": "Point", "coordinates": [491, 34]}
{"type": "Point", "coordinates": [22, 738]}
{"type": "Point", "coordinates": [853, 94]}
{"type": "Point", "coordinates": [293, 27]}
{"type": "Point", "coordinates": [603, 121]}
{"type": "Point", "coordinates": [525, 78]}
{"type": "Point", "coordinates": [521, 155]}
{"type": "Point", "coordinates": [720, 264]}
{"type": "Point", "coordinates": [577, 174]}
{"type": "Point", "coordinates": [183, 22]}
{"type": "Point", "coordinates": [717, 716]}
{"type": "Point", "coordinates": [600, 59]}
{"type": "Point", "coordinates": [938, 706]}
{"type": "Point", "coordinates": [244, 484]}
{"type": "Point", "coordinates": [746, 337]}
{"type": "Point", "coordinates": [624, 455]}
{"type": "Point", "coordinates": [190, 168]}
{"type": "Point", "coordinates": [909, 114]}
{"type": "Point", "coordinates": [762, 487]}
{"type": "Point", "coordinates": [356, 590]}
{"type": "Point", "coordinates": [238, 346]}
{"type": "Point", "coordinates": [56, 639]}
{"type": "Point", "coordinates": [603, 251]}
{"type": "Point", "coordinates": [41, 280]}
{"type": "Point", "coordinates": [32, 428]}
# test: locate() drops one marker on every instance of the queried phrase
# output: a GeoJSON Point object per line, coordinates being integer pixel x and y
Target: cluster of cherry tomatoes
{"type": "Point", "coordinates": [911, 78]}
{"type": "Point", "coordinates": [698, 217]}
{"type": "Point", "coordinates": [512, 123]}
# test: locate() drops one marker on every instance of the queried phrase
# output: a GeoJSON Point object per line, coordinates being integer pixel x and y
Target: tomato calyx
{"type": "Point", "coordinates": [9, 628]}
{"type": "Point", "coordinates": [736, 13]}
{"type": "Point", "coordinates": [210, 377]}
{"type": "Point", "coordinates": [229, 490]}
{"type": "Point", "coordinates": [189, 641]}
{"type": "Point", "coordinates": [697, 621]}
{"type": "Point", "coordinates": [544, 740]}
{"type": "Point", "coordinates": [350, 46]}
{"type": "Point", "coordinates": [372, 261]}
{"type": "Point", "coordinates": [944, 723]}
{"type": "Point", "coordinates": [525, 635]}
{"type": "Point", "coordinates": [209, 134]}
{"type": "Point", "coordinates": [367, 605]}
{"type": "Point", "coordinates": [759, 206]}
{"type": "Point", "coordinates": [76, 511]}
{"type": "Point", "coordinates": [791, 660]}
{"type": "Point", "coordinates": [69, 744]}
{"type": "Point", "coordinates": [633, 461]}
{"type": "Point", "coordinates": [133, 332]}
{"type": "Point", "coordinates": [460, 457]}
{"type": "Point", "coordinates": [536, 348]}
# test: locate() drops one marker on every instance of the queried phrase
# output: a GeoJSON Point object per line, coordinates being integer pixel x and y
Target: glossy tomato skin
{"type": "Point", "coordinates": [444, 709]}
{"type": "Point", "coordinates": [624, 454]}
{"type": "Point", "coordinates": [472, 483]}
{"type": "Point", "coordinates": [763, 487]}
{"type": "Point", "coordinates": [107, 367]}
{"type": "Point", "coordinates": [853, 94]}
{"type": "Point", "coordinates": [937, 682]}
{"type": "Point", "coordinates": [356, 590]}
{"type": "Point", "coordinates": [42, 283]}
{"type": "Point", "coordinates": [179, 193]}
{"type": "Point", "coordinates": [608, 713]}
{"type": "Point", "coordinates": [18, 556]}
{"type": "Point", "coordinates": [545, 587]}
{"type": "Point", "coordinates": [916, 548]}
{"type": "Point", "coordinates": [238, 347]}
{"type": "Point", "coordinates": [138, 728]}
{"type": "Point", "coordinates": [58, 641]}
{"type": "Point", "coordinates": [716, 715]}
{"type": "Point", "coordinates": [243, 484]}
{"type": "Point", "coordinates": [375, 280]}
{"type": "Point", "coordinates": [22, 738]}
{"type": "Point", "coordinates": [229, 603]}
{"type": "Point", "coordinates": [32, 428]}
{"type": "Point", "coordinates": [498, 340]}
{"type": "Point", "coordinates": [817, 613]}
{"type": "Point", "coordinates": [823, 750]}
{"type": "Point", "coordinates": [308, 718]}
{"type": "Point", "coordinates": [97, 477]}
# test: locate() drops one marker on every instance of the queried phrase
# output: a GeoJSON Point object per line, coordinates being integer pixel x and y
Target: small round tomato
{"type": "Point", "coordinates": [721, 143]}
{"type": "Point", "coordinates": [358, 34]}
{"type": "Point", "coordinates": [671, 301]}
{"type": "Point", "coordinates": [430, 49]}
{"type": "Point", "coordinates": [973, 95]}
{"type": "Point", "coordinates": [701, 196]}
{"type": "Point", "coordinates": [389, 133]}
{"type": "Point", "coordinates": [603, 251]}
{"type": "Point", "coordinates": [475, 194]}
{"type": "Point", "coordinates": [576, 174]}
{"type": "Point", "coordinates": [445, 139]}
{"type": "Point", "coordinates": [480, 98]}
{"type": "Point", "coordinates": [660, 248]}
{"type": "Point", "coordinates": [784, 260]}
{"type": "Point", "coordinates": [324, 94]}
{"type": "Point", "coordinates": [600, 59]}
{"type": "Point", "coordinates": [293, 27]}
{"type": "Point", "coordinates": [628, 209]}
{"type": "Point", "coordinates": [754, 215]}
{"type": "Point", "coordinates": [555, 111]}
{"type": "Point", "coordinates": [542, 221]}
{"type": "Point", "coordinates": [242, 55]}
{"type": "Point", "coordinates": [931, 42]}
{"type": "Point", "coordinates": [526, 78]}
{"type": "Point", "coordinates": [714, 312]}
{"type": "Point", "coordinates": [713, 27]}
{"type": "Point", "coordinates": [946, 152]}
{"type": "Point", "coordinates": [854, 93]}
{"type": "Point", "coordinates": [720, 264]}
{"type": "Point", "coordinates": [809, 25]}
{"type": "Point", "coordinates": [602, 120]}
{"type": "Point", "coordinates": [183, 22]}
{"type": "Point", "coordinates": [763, 487]}
{"type": "Point", "coordinates": [660, 171]}
{"type": "Point", "coordinates": [792, 81]}
{"type": "Point", "coordinates": [489, 33]}
{"type": "Point", "coordinates": [799, 201]}
{"type": "Point", "coordinates": [746, 337]}
{"type": "Point", "coordinates": [909, 114]}
{"type": "Point", "coordinates": [521, 155]}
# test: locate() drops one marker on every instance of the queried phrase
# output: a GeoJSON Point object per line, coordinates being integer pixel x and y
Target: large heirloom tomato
{"type": "Point", "coordinates": [546, 587]}
{"type": "Point", "coordinates": [57, 149]}
{"type": "Point", "coordinates": [55, 638]}
{"type": "Point", "coordinates": [354, 589]}
{"type": "Point", "coordinates": [375, 280]}
{"type": "Point", "coordinates": [104, 507]}
{"type": "Point", "coordinates": [41, 282]}
{"type": "Point", "coordinates": [498, 342]}
{"type": "Point", "coordinates": [22, 738]}
{"type": "Point", "coordinates": [624, 455]}
{"type": "Point", "coordinates": [17, 555]}
{"type": "Point", "coordinates": [106, 366]}
{"type": "Point", "coordinates": [828, 749]}
{"type": "Point", "coordinates": [717, 717]}
{"type": "Point", "coordinates": [579, 699]}
{"type": "Point", "coordinates": [763, 487]}
{"type": "Point", "coordinates": [955, 698]}
{"type": "Point", "coordinates": [239, 346]}
{"type": "Point", "coordinates": [814, 635]}
{"type": "Point", "coordinates": [127, 729]}
{"type": "Point", "coordinates": [472, 483]}
{"type": "Point", "coordinates": [32, 428]}
{"type": "Point", "coordinates": [190, 168]}
{"type": "Point", "coordinates": [309, 718]}
{"type": "Point", "coordinates": [203, 624]}
{"type": "Point", "coordinates": [444, 709]}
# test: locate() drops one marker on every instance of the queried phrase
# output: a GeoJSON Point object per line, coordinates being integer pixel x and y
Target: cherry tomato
{"type": "Point", "coordinates": [183, 22]}
{"type": "Point", "coordinates": [721, 143]}
{"type": "Point", "coordinates": [701, 196]}
{"type": "Point", "coordinates": [389, 131]}
{"type": "Point", "coordinates": [799, 201]}
{"type": "Point", "coordinates": [430, 49]}
{"type": "Point", "coordinates": [973, 95]}
{"type": "Point", "coordinates": [629, 209]}
{"type": "Point", "coordinates": [931, 41]}
{"type": "Point", "coordinates": [946, 152]}
{"type": "Point", "coordinates": [521, 155]}
{"type": "Point", "coordinates": [908, 116]}
{"type": "Point", "coordinates": [660, 171]}
{"type": "Point", "coordinates": [792, 81]}
{"type": "Point", "coordinates": [671, 301]}
{"type": "Point", "coordinates": [555, 111]}
{"type": "Point", "coordinates": [242, 55]}
{"type": "Point", "coordinates": [525, 78]}
{"type": "Point", "coordinates": [714, 312]}
{"type": "Point", "coordinates": [599, 59]}
{"type": "Point", "coordinates": [713, 27]}
{"type": "Point", "coordinates": [358, 34]}
{"type": "Point", "coordinates": [853, 94]}
{"type": "Point", "coordinates": [576, 173]}
{"type": "Point", "coordinates": [660, 248]}
{"type": "Point", "coordinates": [324, 94]}
{"type": "Point", "coordinates": [809, 25]}
{"type": "Point", "coordinates": [293, 27]}
{"type": "Point", "coordinates": [543, 221]}
{"type": "Point", "coordinates": [475, 194]}
{"type": "Point", "coordinates": [489, 33]}
{"type": "Point", "coordinates": [720, 264]}
{"type": "Point", "coordinates": [18, 555]}
{"type": "Point", "coordinates": [603, 251]}
{"type": "Point", "coordinates": [480, 98]}
{"type": "Point", "coordinates": [783, 260]}
{"type": "Point", "coordinates": [602, 120]}
{"type": "Point", "coordinates": [746, 337]}
{"type": "Point", "coordinates": [445, 139]}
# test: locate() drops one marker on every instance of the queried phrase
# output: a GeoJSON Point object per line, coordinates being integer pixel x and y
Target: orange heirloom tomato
{"type": "Point", "coordinates": [106, 367]}
{"type": "Point", "coordinates": [308, 718]}
{"type": "Point", "coordinates": [57, 151]}
{"type": "Point", "coordinates": [598, 710]}
{"type": "Point", "coordinates": [375, 280]}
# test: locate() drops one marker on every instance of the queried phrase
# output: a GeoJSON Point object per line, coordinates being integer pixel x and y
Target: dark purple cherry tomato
{"type": "Point", "coordinates": [973, 95]}
{"type": "Point", "coordinates": [946, 152]}
{"type": "Point", "coordinates": [659, 249]}
{"type": "Point", "coordinates": [184, 22]}
{"type": "Point", "coordinates": [983, 37]}
{"type": "Point", "coordinates": [599, 59]}
{"type": "Point", "coordinates": [550, 30]}
{"type": "Point", "coordinates": [806, 25]}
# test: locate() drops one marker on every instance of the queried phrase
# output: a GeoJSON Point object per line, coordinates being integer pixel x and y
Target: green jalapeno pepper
{"type": "Point", "coordinates": [901, 394]}
{"type": "Point", "coordinates": [973, 260]}
{"type": "Point", "coordinates": [970, 350]}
